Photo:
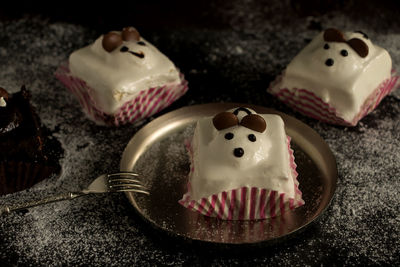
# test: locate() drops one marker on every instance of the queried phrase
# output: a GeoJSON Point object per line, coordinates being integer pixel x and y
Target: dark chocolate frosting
{"type": "Point", "coordinates": [22, 137]}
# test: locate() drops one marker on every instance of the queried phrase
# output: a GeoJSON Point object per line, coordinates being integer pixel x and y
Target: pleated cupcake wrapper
{"type": "Point", "coordinates": [313, 106]}
{"type": "Point", "coordinates": [18, 175]}
{"type": "Point", "coordinates": [143, 105]}
{"type": "Point", "coordinates": [245, 203]}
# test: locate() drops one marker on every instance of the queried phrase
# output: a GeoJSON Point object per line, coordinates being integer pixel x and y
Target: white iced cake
{"type": "Point", "coordinates": [240, 150]}
{"type": "Point", "coordinates": [341, 70]}
{"type": "Point", "coordinates": [120, 64]}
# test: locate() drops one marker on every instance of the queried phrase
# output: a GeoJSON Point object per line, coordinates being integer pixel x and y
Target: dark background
{"type": "Point", "coordinates": [217, 14]}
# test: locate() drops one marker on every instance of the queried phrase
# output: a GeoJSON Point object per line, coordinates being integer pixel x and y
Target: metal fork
{"type": "Point", "coordinates": [114, 182]}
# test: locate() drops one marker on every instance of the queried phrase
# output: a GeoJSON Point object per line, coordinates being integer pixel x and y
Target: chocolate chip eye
{"type": "Point", "coordinates": [329, 62]}
{"type": "Point", "coordinates": [344, 53]}
{"type": "Point", "coordinates": [124, 49]}
{"type": "Point", "coordinates": [252, 137]}
{"type": "Point", "coordinates": [229, 136]}
{"type": "Point", "coordinates": [326, 46]}
{"type": "Point", "coordinates": [141, 43]}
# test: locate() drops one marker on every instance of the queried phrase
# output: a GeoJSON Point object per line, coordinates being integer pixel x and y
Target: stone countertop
{"type": "Point", "coordinates": [229, 52]}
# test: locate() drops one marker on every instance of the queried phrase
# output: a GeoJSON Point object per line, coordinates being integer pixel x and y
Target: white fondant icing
{"type": "Point", "coordinates": [348, 82]}
{"type": "Point", "coordinates": [2, 102]}
{"type": "Point", "coordinates": [117, 77]}
{"type": "Point", "coordinates": [264, 164]}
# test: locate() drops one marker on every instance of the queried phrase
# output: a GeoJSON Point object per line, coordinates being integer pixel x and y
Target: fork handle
{"type": "Point", "coordinates": [43, 201]}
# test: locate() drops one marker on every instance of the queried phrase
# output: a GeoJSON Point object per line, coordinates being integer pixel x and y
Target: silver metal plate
{"type": "Point", "coordinates": [158, 154]}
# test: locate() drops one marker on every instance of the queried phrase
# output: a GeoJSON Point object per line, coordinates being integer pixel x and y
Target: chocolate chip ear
{"type": "Point", "coordinates": [333, 35]}
{"type": "Point", "coordinates": [130, 34]}
{"type": "Point", "coordinates": [254, 122]}
{"type": "Point", "coordinates": [4, 93]}
{"type": "Point", "coordinates": [225, 120]}
{"type": "Point", "coordinates": [111, 41]}
{"type": "Point", "coordinates": [359, 46]}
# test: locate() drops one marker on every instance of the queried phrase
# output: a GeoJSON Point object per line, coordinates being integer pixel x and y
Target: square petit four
{"type": "Point", "coordinates": [242, 167]}
{"type": "Point", "coordinates": [337, 78]}
{"type": "Point", "coordinates": [122, 78]}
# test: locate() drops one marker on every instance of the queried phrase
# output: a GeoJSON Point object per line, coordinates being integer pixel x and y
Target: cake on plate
{"type": "Point", "coordinates": [242, 167]}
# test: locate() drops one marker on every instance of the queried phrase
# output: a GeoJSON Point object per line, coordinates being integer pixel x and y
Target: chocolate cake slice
{"type": "Point", "coordinates": [28, 152]}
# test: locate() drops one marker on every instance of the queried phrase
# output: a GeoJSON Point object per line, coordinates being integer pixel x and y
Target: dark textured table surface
{"type": "Point", "coordinates": [229, 52]}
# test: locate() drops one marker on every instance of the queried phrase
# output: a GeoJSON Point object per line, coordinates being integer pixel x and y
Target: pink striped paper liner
{"type": "Point", "coordinates": [245, 203]}
{"type": "Point", "coordinates": [313, 106]}
{"type": "Point", "coordinates": [143, 105]}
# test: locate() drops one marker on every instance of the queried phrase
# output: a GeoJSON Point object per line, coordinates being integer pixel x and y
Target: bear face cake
{"type": "Point", "coordinates": [337, 78]}
{"type": "Point", "coordinates": [28, 153]}
{"type": "Point", "coordinates": [122, 78]}
{"type": "Point", "coordinates": [242, 167]}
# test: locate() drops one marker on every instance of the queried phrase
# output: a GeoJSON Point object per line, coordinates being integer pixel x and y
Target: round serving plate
{"type": "Point", "coordinates": [157, 152]}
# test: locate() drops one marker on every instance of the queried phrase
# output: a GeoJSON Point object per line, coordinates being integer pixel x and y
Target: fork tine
{"type": "Point", "coordinates": [117, 186]}
{"type": "Point", "coordinates": [123, 183]}
{"type": "Point", "coordinates": [122, 174]}
{"type": "Point", "coordinates": [120, 177]}
{"type": "Point", "coordinates": [124, 180]}
{"type": "Point", "coordinates": [133, 190]}
{"type": "Point", "coordinates": [123, 177]}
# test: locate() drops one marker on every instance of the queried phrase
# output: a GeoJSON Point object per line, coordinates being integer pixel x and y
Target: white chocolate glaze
{"type": "Point", "coordinates": [264, 164]}
{"type": "Point", "coordinates": [348, 82]}
{"type": "Point", "coordinates": [117, 77]}
{"type": "Point", "coordinates": [2, 102]}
